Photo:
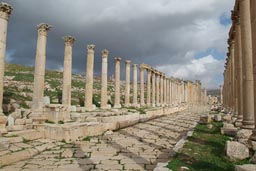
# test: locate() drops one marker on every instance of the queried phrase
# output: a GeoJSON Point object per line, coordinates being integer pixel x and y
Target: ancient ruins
{"type": "Point", "coordinates": [122, 135]}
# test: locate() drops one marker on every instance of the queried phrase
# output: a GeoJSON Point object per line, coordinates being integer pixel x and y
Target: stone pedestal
{"type": "Point", "coordinates": [117, 84]}
{"type": "Point", "coordinates": [246, 41]}
{"type": "Point", "coordinates": [142, 100]}
{"type": "Point", "coordinates": [148, 88]}
{"type": "Point", "coordinates": [104, 80]}
{"type": "Point", "coordinates": [38, 92]}
{"type": "Point", "coordinates": [5, 12]}
{"type": "Point", "coordinates": [67, 72]}
{"type": "Point", "coordinates": [135, 86]}
{"type": "Point", "coordinates": [127, 83]}
{"type": "Point", "coordinates": [89, 78]}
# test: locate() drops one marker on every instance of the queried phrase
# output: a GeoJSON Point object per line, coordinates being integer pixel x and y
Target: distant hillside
{"type": "Point", "coordinates": [18, 87]}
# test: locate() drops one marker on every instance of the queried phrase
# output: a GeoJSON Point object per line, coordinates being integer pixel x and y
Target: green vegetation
{"type": "Point", "coordinates": [49, 122]}
{"type": "Point", "coordinates": [204, 151]}
{"type": "Point", "coordinates": [60, 122]}
{"type": "Point", "coordinates": [24, 140]}
{"type": "Point", "coordinates": [88, 138]}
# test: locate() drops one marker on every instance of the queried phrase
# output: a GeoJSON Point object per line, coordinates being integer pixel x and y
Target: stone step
{"type": "Point", "coordinates": [30, 134]}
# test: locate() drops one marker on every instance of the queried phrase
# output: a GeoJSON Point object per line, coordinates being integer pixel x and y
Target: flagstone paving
{"type": "Point", "coordinates": [139, 147]}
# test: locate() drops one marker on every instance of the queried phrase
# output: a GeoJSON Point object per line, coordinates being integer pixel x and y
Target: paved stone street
{"type": "Point", "coordinates": [139, 147]}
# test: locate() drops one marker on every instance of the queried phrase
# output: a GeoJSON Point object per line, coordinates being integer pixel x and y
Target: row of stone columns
{"type": "Point", "coordinates": [160, 90]}
{"type": "Point", "coordinates": [238, 91]}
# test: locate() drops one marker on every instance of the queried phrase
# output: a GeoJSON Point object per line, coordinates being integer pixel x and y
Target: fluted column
{"type": "Point", "coordinates": [127, 83]}
{"type": "Point", "coordinates": [117, 83]}
{"type": "Point", "coordinates": [157, 90]}
{"type": "Point", "coordinates": [67, 71]}
{"type": "Point", "coordinates": [135, 86]}
{"type": "Point", "coordinates": [38, 91]}
{"type": "Point", "coordinates": [253, 23]}
{"type": "Point", "coordinates": [5, 12]}
{"type": "Point", "coordinates": [248, 93]}
{"type": "Point", "coordinates": [89, 78]}
{"type": "Point", "coordinates": [148, 87]}
{"type": "Point", "coordinates": [153, 89]}
{"type": "Point", "coordinates": [142, 100]}
{"type": "Point", "coordinates": [104, 80]}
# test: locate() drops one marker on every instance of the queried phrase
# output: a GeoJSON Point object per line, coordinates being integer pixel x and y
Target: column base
{"type": "Point", "coordinates": [106, 107]}
{"type": "Point", "coordinates": [238, 123]}
{"type": "Point", "coordinates": [127, 105]}
{"type": "Point", "coordinates": [117, 106]}
{"type": "Point", "coordinates": [3, 121]}
{"type": "Point", "coordinates": [142, 104]}
{"type": "Point", "coordinates": [247, 125]}
{"type": "Point", "coordinates": [153, 105]}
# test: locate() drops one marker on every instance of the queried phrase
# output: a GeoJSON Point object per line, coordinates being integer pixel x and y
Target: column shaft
{"type": "Point", "coordinates": [38, 91]}
{"type": "Point", "coordinates": [135, 86]}
{"type": "Point", "coordinates": [142, 101]}
{"type": "Point", "coordinates": [153, 89]}
{"type": "Point", "coordinates": [148, 88]}
{"type": "Point", "coordinates": [246, 41]}
{"type": "Point", "coordinates": [67, 71]}
{"type": "Point", "coordinates": [127, 83]}
{"type": "Point", "coordinates": [89, 78]}
{"type": "Point", "coordinates": [117, 83]}
{"type": "Point", "coordinates": [104, 80]}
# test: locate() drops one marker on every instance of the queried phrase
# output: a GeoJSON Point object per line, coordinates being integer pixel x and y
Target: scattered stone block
{"type": "Point", "coordinates": [46, 100]}
{"type": "Point", "coordinates": [73, 109]}
{"type": "Point", "coordinates": [68, 153]}
{"type": "Point", "coordinates": [10, 121]}
{"type": "Point", "coordinates": [243, 135]}
{"type": "Point", "coordinates": [236, 151]}
{"type": "Point", "coordinates": [245, 167]}
{"type": "Point", "coordinates": [205, 119]}
{"type": "Point", "coordinates": [227, 117]}
{"type": "Point", "coordinates": [4, 143]}
{"type": "Point", "coordinates": [217, 118]}
{"type": "Point", "coordinates": [229, 131]}
{"type": "Point", "coordinates": [20, 122]}
{"type": "Point", "coordinates": [15, 128]}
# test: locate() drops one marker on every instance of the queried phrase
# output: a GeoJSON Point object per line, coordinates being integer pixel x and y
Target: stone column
{"type": "Point", "coordinates": [253, 23]}
{"type": "Point", "coordinates": [117, 83]}
{"type": "Point", "coordinates": [67, 71]}
{"type": "Point", "coordinates": [167, 92]}
{"type": "Point", "coordinates": [221, 94]}
{"type": "Point", "coordinates": [5, 12]}
{"type": "Point", "coordinates": [38, 92]}
{"type": "Point", "coordinates": [239, 72]}
{"type": "Point", "coordinates": [127, 83]}
{"type": "Point", "coordinates": [135, 86]}
{"type": "Point", "coordinates": [89, 78]}
{"type": "Point", "coordinates": [104, 80]}
{"type": "Point", "coordinates": [161, 90]}
{"type": "Point", "coordinates": [164, 91]}
{"type": "Point", "coordinates": [153, 89]}
{"type": "Point", "coordinates": [148, 87]}
{"type": "Point", "coordinates": [157, 90]}
{"type": "Point", "coordinates": [142, 101]}
{"type": "Point", "coordinates": [246, 41]}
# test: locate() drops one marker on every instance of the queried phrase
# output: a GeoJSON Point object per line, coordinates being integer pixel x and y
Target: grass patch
{"type": "Point", "coordinates": [60, 122]}
{"type": "Point", "coordinates": [25, 141]}
{"type": "Point", "coordinates": [204, 151]}
{"type": "Point", "coordinates": [88, 138]}
{"type": "Point", "coordinates": [49, 122]}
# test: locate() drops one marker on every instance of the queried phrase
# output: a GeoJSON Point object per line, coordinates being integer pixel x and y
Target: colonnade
{"type": "Point", "coordinates": [159, 91]}
{"type": "Point", "coordinates": [238, 91]}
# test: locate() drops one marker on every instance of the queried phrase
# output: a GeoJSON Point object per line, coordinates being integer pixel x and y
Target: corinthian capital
{"type": "Point", "coordinates": [5, 10]}
{"type": "Point", "coordinates": [91, 47]}
{"type": "Point", "coordinates": [43, 28]}
{"type": "Point", "coordinates": [104, 53]}
{"type": "Point", "coordinates": [69, 40]}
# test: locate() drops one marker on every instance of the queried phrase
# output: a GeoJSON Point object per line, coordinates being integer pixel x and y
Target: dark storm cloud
{"type": "Point", "coordinates": [154, 32]}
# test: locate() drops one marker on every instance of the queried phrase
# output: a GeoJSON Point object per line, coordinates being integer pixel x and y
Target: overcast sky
{"type": "Point", "coordinates": [183, 38]}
